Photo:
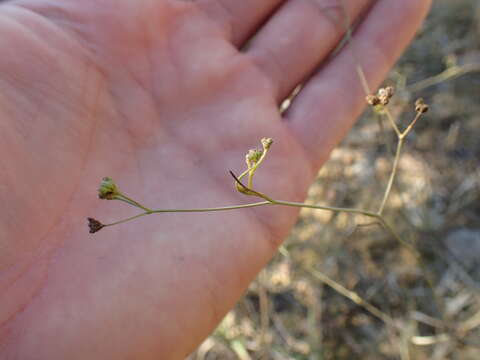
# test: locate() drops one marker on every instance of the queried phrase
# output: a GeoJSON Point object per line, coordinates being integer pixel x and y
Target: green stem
{"type": "Point", "coordinates": [328, 208]}
{"type": "Point", "coordinates": [223, 208]}
{"type": "Point", "coordinates": [119, 198]}
{"type": "Point", "coordinates": [374, 215]}
{"type": "Point", "coordinates": [244, 173]}
{"type": "Point", "coordinates": [126, 199]}
{"type": "Point", "coordinates": [251, 205]}
{"type": "Point", "coordinates": [254, 168]}
{"type": "Point", "coordinates": [127, 219]}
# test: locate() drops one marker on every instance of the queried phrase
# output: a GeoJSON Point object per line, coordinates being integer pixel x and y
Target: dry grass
{"type": "Point", "coordinates": [300, 308]}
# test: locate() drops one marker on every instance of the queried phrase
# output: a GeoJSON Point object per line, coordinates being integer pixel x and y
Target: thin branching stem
{"type": "Point", "coordinates": [451, 73]}
{"type": "Point", "coordinates": [392, 176]}
{"type": "Point", "coordinates": [409, 127]}
{"type": "Point", "coordinates": [251, 205]}
{"type": "Point", "coordinates": [401, 138]}
{"type": "Point", "coordinates": [349, 39]}
{"type": "Point", "coordinates": [222, 208]}
{"type": "Point", "coordinates": [126, 201]}
{"type": "Point", "coordinates": [270, 201]}
{"type": "Point", "coordinates": [397, 237]}
{"type": "Point", "coordinates": [392, 121]}
{"type": "Point", "coordinates": [353, 296]}
{"type": "Point", "coordinates": [264, 310]}
{"type": "Point", "coordinates": [127, 219]}
{"type": "Point", "coordinates": [328, 208]}
{"type": "Point", "coordinates": [133, 202]}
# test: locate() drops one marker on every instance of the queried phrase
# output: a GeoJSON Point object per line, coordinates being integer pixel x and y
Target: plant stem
{"type": "Point", "coordinates": [254, 168]}
{"type": "Point", "coordinates": [401, 138]}
{"type": "Point", "coordinates": [127, 219]}
{"type": "Point", "coordinates": [251, 205]}
{"type": "Point", "coordinates": [353, 297]}
{"type": "Point", "coordinates": [397, 237]}
{"type": "Point", "coordinates": [119, 198]}
{"type": "Point", "coordinates": [392, 122]}
{"type": "Point", "coordinates": [392, 175]}
{"type": "Point", "coordinates": [409, 127]}
{"type": "Point", "coordinates": [450, 73]}
{"type": "Point", "coordinates": [133, 202]}
{"type": "Point", "coordinates": [328, 208]}
{"type": "Point", "coordinates": [223, 208]}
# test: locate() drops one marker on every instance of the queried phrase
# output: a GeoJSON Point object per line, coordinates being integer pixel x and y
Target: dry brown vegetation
{"type": "Point", "coordinates": [343, 288]}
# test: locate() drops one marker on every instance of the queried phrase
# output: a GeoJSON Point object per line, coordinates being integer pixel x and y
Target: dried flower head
{"type": "Point", "coordinates": [372, 100]}
{"type": "Point", "coordinates": [384, 94]}
{"type": "Point", "coordinates": [108, 189]}
{"type": "Point", "coordinates": [390, 91]}
{"type": "Point", "coordinates": [266, 143]}
{"type": "Point", "coordinates": [384, 100]}
{"type": "Point", "coordinates": [420, 106]}
{"type": "Point", "coordinates": [94, 225]}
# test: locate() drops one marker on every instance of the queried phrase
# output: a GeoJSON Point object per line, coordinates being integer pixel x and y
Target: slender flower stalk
{"type": "Point", "coordinates": [212, 209]}
{"type": "Point", "coordinates": [109, 190]}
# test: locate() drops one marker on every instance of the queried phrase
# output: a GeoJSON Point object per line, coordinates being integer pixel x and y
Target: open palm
{"type": "Point", "coordinates": [157, 95]}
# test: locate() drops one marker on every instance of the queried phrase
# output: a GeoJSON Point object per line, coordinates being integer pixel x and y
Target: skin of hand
{"type": "Point", "coordinates": [164, 96]}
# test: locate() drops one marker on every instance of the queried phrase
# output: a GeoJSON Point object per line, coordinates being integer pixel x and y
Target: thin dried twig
{"type": "Point", "coordinates": [451, 73]}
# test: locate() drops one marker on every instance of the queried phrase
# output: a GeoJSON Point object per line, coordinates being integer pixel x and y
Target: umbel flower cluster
{"type": "Point", "coordinates": [382, 97]}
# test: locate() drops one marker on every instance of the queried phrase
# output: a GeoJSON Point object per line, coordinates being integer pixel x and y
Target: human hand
{"type": "Point", "coordinates": [157, 95]}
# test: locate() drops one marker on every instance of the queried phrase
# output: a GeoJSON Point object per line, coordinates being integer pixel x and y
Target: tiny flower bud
{"type": "Point", "coordinates": [390, 91]}
{"type": "Point", "coordinates": [384, 100]}
{"type": "Point", "coordinates": [108, 189]}
{"type": "Point", "coordinates": [384, 95]}
{"type": "Point", "coordinates": [372, 100]}
{"type": "Point", "coordinates": [94, 225]}
{"type": "Point", "coordinates": [382, 92]}
{"type": "Point", "coordinates": [420, 106]}
{"type": "Point", "coordinates": [419, 101]}
{"type": "Point", "coordinates": [266, 143]}
{"type": "Point", "coordinates": [253, 156]}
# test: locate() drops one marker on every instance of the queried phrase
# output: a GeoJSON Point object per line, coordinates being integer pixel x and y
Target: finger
{"type": "Point", "coordinates": [299, 36]}
{"type": "Point", "coordinates": [239, 18]}
{"type": "Point", "coordinates": [329, 103]}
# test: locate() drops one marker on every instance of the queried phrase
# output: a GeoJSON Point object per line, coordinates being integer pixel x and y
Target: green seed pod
{"type": "Point", "coordinates": [108, 189]}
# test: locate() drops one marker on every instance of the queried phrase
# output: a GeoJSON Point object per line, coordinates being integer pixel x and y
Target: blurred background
{"type": "Point", "coordinates": [343, 288]}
